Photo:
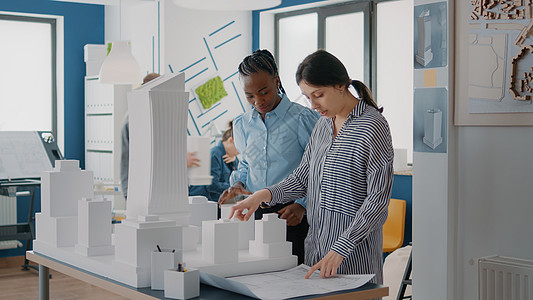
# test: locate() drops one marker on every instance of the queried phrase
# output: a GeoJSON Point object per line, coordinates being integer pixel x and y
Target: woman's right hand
{"type": "Point", "coordinates": [246, 208]}
{"type": "Point", "coordinates": [232, 192]}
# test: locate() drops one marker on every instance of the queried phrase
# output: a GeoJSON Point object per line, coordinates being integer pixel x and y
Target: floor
{"type": "Point", "coordinates": [21, 285]}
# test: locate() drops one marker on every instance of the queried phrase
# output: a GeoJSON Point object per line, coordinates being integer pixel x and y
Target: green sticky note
{"type": "Point", "coordinates": [211, 92]}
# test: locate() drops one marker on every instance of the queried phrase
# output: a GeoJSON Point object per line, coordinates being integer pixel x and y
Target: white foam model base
{"type": "Point", "coordinates": [270, 250]}
{"type": "Point", "coordinates": [103, 265]}
{"type": "Point", "coordinates": [136, 239]}
{"type": "Point", "coordinates": [94, 250]}
{"type": "Point", "coordinates": [107, 266]}
{"type": "Point", "coordinates": [191, 237]}
{"type": "Point", "coordinates": [247, 264]}
{"type": "Point", "coordinates": [57, 231]}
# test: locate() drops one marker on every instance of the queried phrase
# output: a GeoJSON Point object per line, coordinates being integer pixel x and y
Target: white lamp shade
{"type": "Point", "coordinates": [120, 67]}
{"type": "Point", "coordinates": [228, 4]}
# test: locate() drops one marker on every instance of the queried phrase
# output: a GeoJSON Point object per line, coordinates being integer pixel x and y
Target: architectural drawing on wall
{"type": "Point", "coordinates": [432, 127]}
{"type": "Point", "coordinates": [424, 54]}
{"type": "Point", "coordinates": [215, 93]}
{"type": "Point", "coordinates": [494, 25]}
{"type": "Point", "coordinates": [430, 31]}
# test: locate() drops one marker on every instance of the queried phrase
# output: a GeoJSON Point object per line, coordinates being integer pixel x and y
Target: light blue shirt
{"type": "Point", "coordinates": [272, 149]}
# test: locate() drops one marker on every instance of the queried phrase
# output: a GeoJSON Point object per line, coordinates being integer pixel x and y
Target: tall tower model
{"type": "Point", "coordinates": [423, 54]}
{"type": "Point", "coordinates": [158, 148]}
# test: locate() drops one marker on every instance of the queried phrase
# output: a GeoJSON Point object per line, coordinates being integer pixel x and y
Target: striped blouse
{"type": "Point", "coordinates": [347, 181]}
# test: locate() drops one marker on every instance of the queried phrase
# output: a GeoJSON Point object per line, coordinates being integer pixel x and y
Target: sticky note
{"type": "Point", "coordinates": [430, 78]}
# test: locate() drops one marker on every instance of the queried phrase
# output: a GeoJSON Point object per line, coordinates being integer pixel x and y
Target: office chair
{"type": "Point", "coordinates": [394, 227]}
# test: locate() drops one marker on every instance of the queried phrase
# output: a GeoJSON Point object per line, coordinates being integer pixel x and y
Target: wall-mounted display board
{"type": "Point", "coordinates": [494, 59]}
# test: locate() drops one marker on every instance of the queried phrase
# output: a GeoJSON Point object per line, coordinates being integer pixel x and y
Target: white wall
{"type": "Point", "coordinates": [495, 192]}
{"type": "Point", "coordinates": [220, 39]}
{"type": "Point", "coordinates": [166, 38]}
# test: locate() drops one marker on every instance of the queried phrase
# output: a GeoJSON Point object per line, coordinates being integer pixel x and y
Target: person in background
{"type": "Point", "coordinates": [223, 162]}
{"type": "Point", "coordinates": [271, 138]}
{"type": "Point", "coordinates": [192, 160]}
{"type": "Point", "coordinates": [346, 173]}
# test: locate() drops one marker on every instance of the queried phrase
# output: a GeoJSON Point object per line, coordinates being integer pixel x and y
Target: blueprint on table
{"type": "Point", "coordinates": [289, 283]}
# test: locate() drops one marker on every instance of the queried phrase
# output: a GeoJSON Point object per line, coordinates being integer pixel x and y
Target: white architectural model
{"type": "Point", "coordinates": [270, 238]}
{"type": "Point", "coordinates": [432, 127]}
{"type": "Point", "coordinates": [157, 181]}
{"type": "Point", "coordinates": [424, 55]}
{"type": "Point", "coordinates": [158, 207]}
{"type": "Point", "coordinates": [62, 188]}
{"type": "Point", "coordinates": [201, 210]}
{"type": "Point", "coordinates": [246, 229]}
{"type": "Point", "coordinates": [94, 227]}
{"type": "Point", "coordinates": [220, 242]}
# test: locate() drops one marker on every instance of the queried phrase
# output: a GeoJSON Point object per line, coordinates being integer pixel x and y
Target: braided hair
{"type": "Point", "coordinates": [322, 68]}
{"type": "Point", "coordinates": [260, 60]}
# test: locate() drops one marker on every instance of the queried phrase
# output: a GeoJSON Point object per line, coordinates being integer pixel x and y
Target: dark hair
{"type": "Point", "coordinates": [228, 133]}
{"type": "Point", "coordinates": [322, 68]}
{"type": "Point", "coordinates": [260, 60]}
{"type": "Point", "coordinates": [150, 77]}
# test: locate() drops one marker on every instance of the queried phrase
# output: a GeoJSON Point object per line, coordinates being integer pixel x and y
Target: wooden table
{"type": "Point", "coordinates": [367, 291]}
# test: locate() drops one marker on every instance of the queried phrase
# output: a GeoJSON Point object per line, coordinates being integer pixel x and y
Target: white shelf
{"type": "Point", "coordinates": [105, 108]}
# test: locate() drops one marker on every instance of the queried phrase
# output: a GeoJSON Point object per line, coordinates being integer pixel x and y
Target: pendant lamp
{"type": "Point", "coordinates": [228, 4]}
{"type": "Point", "coordinates": [120, 67]}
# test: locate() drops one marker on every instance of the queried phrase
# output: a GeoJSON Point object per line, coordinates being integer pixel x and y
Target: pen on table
{"type": "Point", "coordinates": [158, 248]}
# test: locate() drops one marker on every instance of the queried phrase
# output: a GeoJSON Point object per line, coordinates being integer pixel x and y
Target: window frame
{"type": "Point", "coordinates": [53, 59]}
{"type": "Point", "coordinates": [369, 10]}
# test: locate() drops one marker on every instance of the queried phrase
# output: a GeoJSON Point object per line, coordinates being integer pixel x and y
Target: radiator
{"type": "Point", "coordinates": [8, 216]}
{"type": "Point", "coordinates": [505, 278]}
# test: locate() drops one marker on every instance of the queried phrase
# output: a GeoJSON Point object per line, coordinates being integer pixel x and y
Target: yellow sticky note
{"type": "Point", "coordinates": [430, 78]}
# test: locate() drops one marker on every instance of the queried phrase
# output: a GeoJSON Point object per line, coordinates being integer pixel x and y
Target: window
{"type": "Point", "coordinates": [28, 92]}
{"type": "Point", "coordinates": [374, 40]}
{"type": "Point", "coordinates": [340, 29]}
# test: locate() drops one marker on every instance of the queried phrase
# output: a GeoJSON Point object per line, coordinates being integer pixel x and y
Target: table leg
{"type": "Point", "coordinates": [44, 283]}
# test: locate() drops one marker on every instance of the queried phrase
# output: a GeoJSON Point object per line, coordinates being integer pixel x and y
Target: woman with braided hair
{"type": "Point", "coordinates": [271, 138]}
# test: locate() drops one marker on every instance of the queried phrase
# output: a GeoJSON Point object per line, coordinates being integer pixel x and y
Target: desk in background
{"type": "Point", "coordinates": [368, 291]}
{"type": "Point", "coordinates": [23, 230]}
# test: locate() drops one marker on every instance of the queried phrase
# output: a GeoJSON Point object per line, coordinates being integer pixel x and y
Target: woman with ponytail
{"type": "Point", "coordinates": [346, 173]}
{"type": "Point", "coordinates": [271, 138]}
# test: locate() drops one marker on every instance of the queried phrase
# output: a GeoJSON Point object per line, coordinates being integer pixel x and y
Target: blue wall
{"type": "Point", "coordinates": [83, 24]}
{"type": "Point", "coordinates": [402, 188]}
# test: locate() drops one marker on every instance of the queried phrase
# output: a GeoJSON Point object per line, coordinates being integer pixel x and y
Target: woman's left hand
{"type": "Point", "coordinates": [328, 265]}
